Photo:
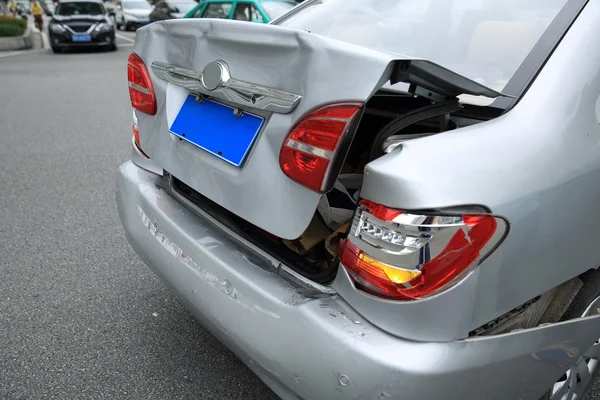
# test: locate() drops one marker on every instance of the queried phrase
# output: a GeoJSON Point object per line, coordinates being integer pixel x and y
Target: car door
{"type": "Point", "coordinates": [220, 10]}
{"type": "Point", "coordinates": [247, 11]}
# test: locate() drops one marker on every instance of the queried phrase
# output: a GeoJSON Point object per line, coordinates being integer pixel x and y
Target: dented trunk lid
{"type": "Point", "coordinates": [278, 74]}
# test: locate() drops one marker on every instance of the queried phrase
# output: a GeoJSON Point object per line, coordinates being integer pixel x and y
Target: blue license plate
{"type": "Point", "coordinates": [215, 127]}
{"type": "Point", "coordinates": [82, 38]}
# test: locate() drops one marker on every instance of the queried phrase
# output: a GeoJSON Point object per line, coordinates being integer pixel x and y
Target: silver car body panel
{"type": "Point", "coordinates": [538, 165]}
{"type": "Point", "coordinates": [315, 346]}
{"type": "Point", "coordinates": [253, 55]}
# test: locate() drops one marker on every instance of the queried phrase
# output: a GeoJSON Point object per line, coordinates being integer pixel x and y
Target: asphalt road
{"type": "Point", "coordinates": [81, 317]}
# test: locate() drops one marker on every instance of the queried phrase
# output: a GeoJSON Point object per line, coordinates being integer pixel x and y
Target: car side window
{"type": "Point", "coordinates": [217, 10]}
{"type": "Point", "coordinates": [246, 12]}
{"type": "Point", "coordinates": [197, 13]}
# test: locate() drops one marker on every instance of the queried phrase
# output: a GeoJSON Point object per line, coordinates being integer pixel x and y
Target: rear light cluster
{"type": "Point", "coordinates": [401, 255]}
{"type": "Point", "coordinates": [141, 90]}
{"type": "Point", "coordinates": [141, 93]}
{"type": "Point", "coordinates": [308, 150]}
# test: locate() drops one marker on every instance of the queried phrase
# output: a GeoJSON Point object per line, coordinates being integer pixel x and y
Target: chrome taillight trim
{"type": "Point", "coordinates": [424, 227]}
{"type": "Point", "coordinates": [306, 148]}
{"type": "Point", "coordinates": [216, 81]}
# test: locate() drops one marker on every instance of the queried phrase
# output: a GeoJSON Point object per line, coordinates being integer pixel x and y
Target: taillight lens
{"type": "Point", "coordinates": [401, 255]}
{"type": "Point", "coordinates": [308, 150]}
{"type": "Point", "coordinates": [141, 90]}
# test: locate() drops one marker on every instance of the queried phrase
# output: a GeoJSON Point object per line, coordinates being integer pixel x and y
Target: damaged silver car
{"type": "Point", "coordinates": [370, 199]}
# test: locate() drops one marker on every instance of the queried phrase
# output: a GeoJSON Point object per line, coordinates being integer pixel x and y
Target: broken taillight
{"type": "Point", "coordinates": [141, 91]}
{"type": "Point", "coordinates": [307, 152]}
{"type": "Point", "coordinates": [402, 255]}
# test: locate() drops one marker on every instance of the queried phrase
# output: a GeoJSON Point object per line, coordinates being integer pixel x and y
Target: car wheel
{"type": "Point", "coordinates": [579, 379]}
{"type": "Point", "coordinates": [56, 49]}
{"type": "Point", "coordinates": [112, 47]}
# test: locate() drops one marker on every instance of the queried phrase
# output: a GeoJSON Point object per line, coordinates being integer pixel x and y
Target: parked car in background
{"type": "Point", "coordinates": [246, 10]}
{"type": "Point", "coordinates": [379, 199]}
{"type": "Point", "coordinates": [81, 23]}
{"type": "Point", "coordinates": [132, 14]}
{"type": "Point", "coordinates": [171, 9]}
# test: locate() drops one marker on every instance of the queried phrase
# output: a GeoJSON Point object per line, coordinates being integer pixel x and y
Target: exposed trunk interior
{"type": "Point", "coordinates": [314, 253]}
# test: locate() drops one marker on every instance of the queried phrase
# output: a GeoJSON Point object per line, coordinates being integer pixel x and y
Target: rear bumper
{"type": "Point", "coordinates": [317, 347]}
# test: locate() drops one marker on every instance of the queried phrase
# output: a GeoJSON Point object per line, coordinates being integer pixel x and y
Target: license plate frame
{"type": "Point", "coordinates": [82, 38]}
{"type": "Point", "coordinates": [216, 128]}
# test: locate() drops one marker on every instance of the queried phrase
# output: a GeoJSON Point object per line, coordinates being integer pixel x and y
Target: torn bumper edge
{"type": "Point", "coordinates": [320, 348]}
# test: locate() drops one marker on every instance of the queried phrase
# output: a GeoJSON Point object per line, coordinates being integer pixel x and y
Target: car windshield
{"type": "Point", "coordinates": [136, 5]}
{"type": "Point", "coordinates": [79, 8]}
{"type": "Point", "coordinates": [485, 40]}
{"type": "Point", "coordinates": [275, 9]}
{"type": "Point", "coordinates": [183, 7]}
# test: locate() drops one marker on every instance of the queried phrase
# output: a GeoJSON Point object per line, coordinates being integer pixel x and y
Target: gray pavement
{"type": "Point", "coordinates": [81, 317]}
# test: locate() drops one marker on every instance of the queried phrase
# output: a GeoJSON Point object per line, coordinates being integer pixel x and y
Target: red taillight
{"type": "Point", "coordinates": [141, 90]}
{"type": "Point", "coordinates": [309, 148]}
{"type": "Point", "coordinates": [401, 255]}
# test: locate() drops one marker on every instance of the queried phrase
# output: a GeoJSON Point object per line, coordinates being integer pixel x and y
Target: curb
{"type": "Point", "coordinates": [17, 42]}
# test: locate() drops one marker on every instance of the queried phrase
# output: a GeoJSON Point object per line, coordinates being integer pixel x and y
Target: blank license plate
{"type": "Point", "coordinates": [82, 38]}
{"type": "Point", "coordinates": [215, 128]}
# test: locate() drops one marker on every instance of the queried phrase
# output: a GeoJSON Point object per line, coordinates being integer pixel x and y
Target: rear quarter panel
{"type": "Point", "coordinates": [538, 165]}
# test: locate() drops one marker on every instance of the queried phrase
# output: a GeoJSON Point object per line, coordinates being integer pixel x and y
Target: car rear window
{"type": "Point", "coordinates": [485, 40]}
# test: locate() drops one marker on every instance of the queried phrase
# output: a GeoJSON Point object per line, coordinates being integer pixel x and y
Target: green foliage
{"type": "Point", "coordinates": [12, 27]}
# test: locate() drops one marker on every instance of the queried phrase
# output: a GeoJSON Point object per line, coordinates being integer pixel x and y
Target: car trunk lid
{"type": "Point", "coordinates": [277, 74]}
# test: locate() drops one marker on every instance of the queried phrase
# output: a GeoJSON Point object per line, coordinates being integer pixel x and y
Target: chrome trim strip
{"type": "Point", "coordinates": [138, 88]}
{"type": "Point", "coordinates": [215, 81]}
{"type": "Point", "coordinates": [306, 148]}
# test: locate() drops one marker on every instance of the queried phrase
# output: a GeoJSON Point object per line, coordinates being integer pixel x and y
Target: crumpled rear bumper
{"type": "Point", "coordinates": [307, 347]}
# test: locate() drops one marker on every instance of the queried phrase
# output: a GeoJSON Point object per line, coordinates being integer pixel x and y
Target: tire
{"type": "Point", "coordinates": [56, 49]}
{"type": "Point", "coordinates": [589, 291]}
{"type": "Point", "coordinates": [112, 47]}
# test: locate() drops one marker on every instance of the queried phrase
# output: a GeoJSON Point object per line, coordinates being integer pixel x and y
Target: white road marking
{"type": "Point", "coordinates": [124, 44]}
{"type": "Point", "coordinates": [13, 53]}
{"type": "Point", "coordinates": [126, 38]}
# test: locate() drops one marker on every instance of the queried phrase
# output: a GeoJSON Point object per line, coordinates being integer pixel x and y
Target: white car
{"type": "Point", "coordinates": [131, 14]}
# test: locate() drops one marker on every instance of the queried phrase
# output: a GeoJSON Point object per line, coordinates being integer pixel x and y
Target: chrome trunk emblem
{"type": "Point", "coordinates": [216, 81]}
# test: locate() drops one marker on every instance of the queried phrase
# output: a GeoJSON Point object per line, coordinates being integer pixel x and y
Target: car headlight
{"type": "Point", "coordinates": [104, 27]}
{"type": "Point", "coordinates": [57, 28]}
